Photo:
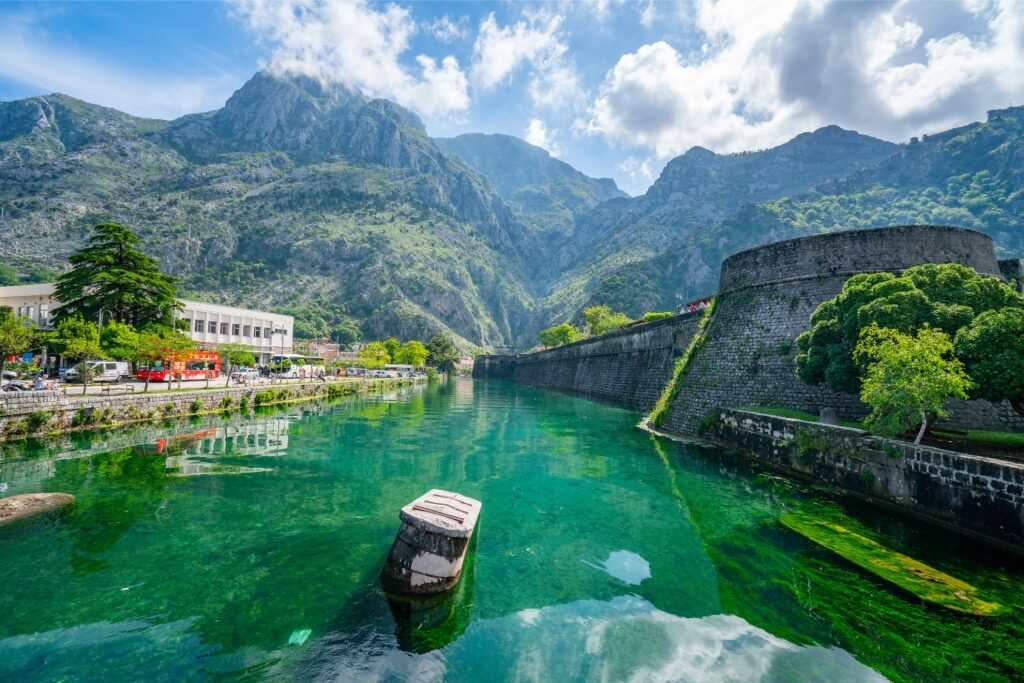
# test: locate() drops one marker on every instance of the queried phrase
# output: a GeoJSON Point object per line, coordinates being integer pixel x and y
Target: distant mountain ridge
{"type": "Point", "coordinates": [317, 199]}
{"type": "Point", "coordinates": [549, 193]}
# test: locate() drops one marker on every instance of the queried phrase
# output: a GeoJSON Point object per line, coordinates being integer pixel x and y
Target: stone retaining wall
{"type": "Point", "coordinates": [630, 366]}
{"type": "Point", "coordinates": [766, 297]}
{"type": "Point", "coordinates": [981, 496]}
{"type": "Point", "coordinates": [37, 412]}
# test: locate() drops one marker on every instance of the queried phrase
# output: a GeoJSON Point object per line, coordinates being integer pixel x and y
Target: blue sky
{"type": "Point", "coordinates": [615, 88]}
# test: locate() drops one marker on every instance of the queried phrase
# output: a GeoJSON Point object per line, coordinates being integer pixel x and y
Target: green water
{"type": "Point", "coordinates": [249, 548]}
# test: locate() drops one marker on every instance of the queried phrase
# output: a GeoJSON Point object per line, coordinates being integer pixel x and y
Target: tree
{"type": "Point", "coordinates": [111, 275]}
{"type": "Point", "coordinates": [651, 316]}
{"type": "Point", "coordinates": [79, 340]}
{"type": "Point", "coordinates": [15, 336]}
{"type": "Point", "coordinates": [392, 345]}
{"type": "Point", "coordinates": [945, 297]}
{"type": "Point", "coordinates": [412, 353]}
{"type": "Point", "coordinates": [234, 355]}
{"type": "Point", "coordinates": [992, 349]}
{"type": "Point", "coordinates": [374, 355]}
{"type": "Point", "coordinates": [120, 341]}
{"type": "Point", "coordinates": [908, 378]}
{"type": "Point", "coordinates": [8, 275]}
{"type": "Point", "coordinates": [557, 335]}
{"type": "Point", "coordinates": [602, 320]}
{"type": "Point", "coordinates": [443, 354]}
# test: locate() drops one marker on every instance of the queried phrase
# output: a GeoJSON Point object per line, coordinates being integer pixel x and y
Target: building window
{"type": "Point", "coordinates": [234, 329]}
{"type": "Point", "coordinates": [224, 329]}
{"type": "Point", "coordinates": [199, 326]}
{"type": "Point", "coordinates": [245, 331]}
{"type": "Point", "coordinates": [44, 314]}
{"type": "Point", "coordinates": [256, 332]}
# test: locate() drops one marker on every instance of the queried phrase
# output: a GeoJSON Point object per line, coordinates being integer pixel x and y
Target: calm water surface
{"type": "Point", "coordinates": [249, 548]}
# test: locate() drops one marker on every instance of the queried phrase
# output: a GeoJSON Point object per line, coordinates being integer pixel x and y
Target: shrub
{"type": "Point", "coordinates": [196, 406]}
{"type": "Point", "coordinates": [651, 316]}
{"type": "Point", "coordinates": [37, 420]}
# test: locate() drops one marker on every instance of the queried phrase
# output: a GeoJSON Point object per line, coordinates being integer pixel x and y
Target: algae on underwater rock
{"type": "Point", "coordinates": [927, 583]}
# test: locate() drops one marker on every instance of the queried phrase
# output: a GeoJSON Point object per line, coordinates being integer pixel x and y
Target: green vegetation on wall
{"type": "Point", "coordinates": [668, 396]}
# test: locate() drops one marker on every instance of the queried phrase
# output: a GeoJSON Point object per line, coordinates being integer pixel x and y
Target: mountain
{"type": "Point", "coordinates": [293, 195]}
{"type": "Point", "coordinates": [547, 194]}
{"type": "Point", "coordinates": [971, 176]}
{"type": "Point", "coordinates": [694, 193]}
{"type": "Point", "coordinates": [316, 199]}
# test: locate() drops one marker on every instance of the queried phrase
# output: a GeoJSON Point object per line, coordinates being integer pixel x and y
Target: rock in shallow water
{"type": "Point", "coordinates": [18, 507]}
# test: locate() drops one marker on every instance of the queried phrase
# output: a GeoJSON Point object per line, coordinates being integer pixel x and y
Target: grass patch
{"type": "Point", "coordinates": [660, 411]}
{"type": "Point", "coordinates": [927, 583]}
{"type": "Point", "coordinates": [794, 414]}
{"type": "Point", "coordinates": [983, 437]}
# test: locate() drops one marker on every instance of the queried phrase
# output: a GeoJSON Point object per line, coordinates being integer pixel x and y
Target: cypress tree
{"type": "Point", "coordinates": [111, 274]}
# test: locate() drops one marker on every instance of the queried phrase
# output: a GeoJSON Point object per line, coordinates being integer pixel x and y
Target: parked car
{"type": "Point", "coordinates": [103, 371]}
{"type": "Point", "coordinates": [356, 372]}
{"type": "Point", "coordinates": [10, 374]}
{"type": "Point", "coordinates": [245, 375]}
{"type": "Point", "coordinates": [378, 374]}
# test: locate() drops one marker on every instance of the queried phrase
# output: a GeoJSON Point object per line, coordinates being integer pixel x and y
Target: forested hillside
{"type": "Point", "coordinates": [341, 209]}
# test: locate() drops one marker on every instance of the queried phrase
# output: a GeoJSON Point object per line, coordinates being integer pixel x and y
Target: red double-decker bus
{"type": "Point", "coordinates": [189, 365]}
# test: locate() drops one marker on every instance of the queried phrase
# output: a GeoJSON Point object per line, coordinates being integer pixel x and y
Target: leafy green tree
{"type": "Point", "coordinates": [602, 320]}
{"type": "Point", "coordinates": [374, 355]}
{"type": "Point", "coordinates": [8, 275]}
{"type": "Point", "coordinates": [392, 345]}
{"type": "Point", "coordinates": [16, 336]}
{"type": "Point", "coordinates": [235, 355]}
{"type": "Point", "coordinates": [651, 316]}
{"type": "Point", "coordinates": [992, 349]}
{"type": "Point", "coordinates": [158, 342]}
{"type": "Point", "coordinates": [908, 378]}
{"type": "Point", "coordinates": [443, 354]}
{"type": "Point", "coordinates": [111, 275]}
{"type": "Point", "coordinates": [79, 340]}
{"type": "Point", "coordinates": [120, 341]}
{"type": "Point", "coordinates": [557, 335]}
{"type": "Point", "coordinates": [944, 296]}
{"type": "Point", "coordinates": [412, 353]}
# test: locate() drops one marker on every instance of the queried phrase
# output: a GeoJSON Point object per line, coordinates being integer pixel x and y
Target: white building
{"type": "Point", "coordinates": [210, 325]}
{"type": "Point", "coordinates": [266, 334]}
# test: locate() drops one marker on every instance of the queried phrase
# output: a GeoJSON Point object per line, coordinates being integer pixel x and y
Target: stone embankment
{"type": "Point", "coordinates": [44, 412]}
{"type": "Point", "coordinates": [630, 366]}
{"type": "Point", "coordinates": [980, 496]}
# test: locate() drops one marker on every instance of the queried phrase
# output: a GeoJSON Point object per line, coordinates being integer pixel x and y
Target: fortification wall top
{"type": "Point", "coordinates": [845, 253]}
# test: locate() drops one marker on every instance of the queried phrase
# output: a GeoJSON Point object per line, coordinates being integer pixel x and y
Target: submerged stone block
{"type": "Point", "coordinates": [427, 555]}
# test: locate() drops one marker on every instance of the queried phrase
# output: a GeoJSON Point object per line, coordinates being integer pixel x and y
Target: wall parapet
{"type": "Point", "coordinates": [971, 494]}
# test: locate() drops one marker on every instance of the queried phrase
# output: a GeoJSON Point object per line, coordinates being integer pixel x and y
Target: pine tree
{"type": "Point", "coordinates": [111, 275]}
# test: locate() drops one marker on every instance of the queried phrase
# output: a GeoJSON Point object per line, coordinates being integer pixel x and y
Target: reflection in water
{"type": "Point", "coordinates": [274, 575]}
{"type": "Point", "coordinates": [625, 638]}
{"type": "Point", "coordinates": [626, 567]}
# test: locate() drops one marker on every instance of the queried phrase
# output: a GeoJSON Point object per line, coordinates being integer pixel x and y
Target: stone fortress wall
{"type": "Point", "coordinates": [765, 300]}
{"type": "Point", "coordinates": [630, 367]}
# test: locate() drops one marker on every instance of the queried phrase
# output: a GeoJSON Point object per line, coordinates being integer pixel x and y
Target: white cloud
{"type": "Point", "coordinates": [445, 30]}
{"type": "Point", "coordinates": [537, 134]}
{"type": "Point", "coordinates": [769, 70]}
{"type": "Point", "coordinates": [641, 172]}
{"type": "Point", "coordinates": [648, 13]}
{"type": "Point", "coordinates": [29, 58]}
{"type": "Point", "coordinates": [357, 44]}
{"type": "Point", "coordinates": [536, 42]}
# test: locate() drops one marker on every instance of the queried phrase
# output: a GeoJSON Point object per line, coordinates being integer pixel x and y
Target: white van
{"type": "Point", "coordinates": [103, 371]}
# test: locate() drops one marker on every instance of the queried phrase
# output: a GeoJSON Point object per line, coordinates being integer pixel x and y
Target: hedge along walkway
{"type": "Point", "coordinates": [927, 583]}
{"type": "Point", "coordinates": [660, 410]}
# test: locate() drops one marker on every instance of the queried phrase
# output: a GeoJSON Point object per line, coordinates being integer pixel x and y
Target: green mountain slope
{"type": "Point", "coordinates": [693, 194]}
{"type": "Point", "coordinates": [546, 193]}
{"type": "Point", "coordinates": [291, 195]}
{"type": "Point", "coordinates": [972, 176]}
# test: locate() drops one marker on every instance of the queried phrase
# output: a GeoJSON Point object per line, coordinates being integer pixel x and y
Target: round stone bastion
{"type": "Point", "coordinates": [846, 253]}
{"type": "Point", "coordinates": [765, 300]}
